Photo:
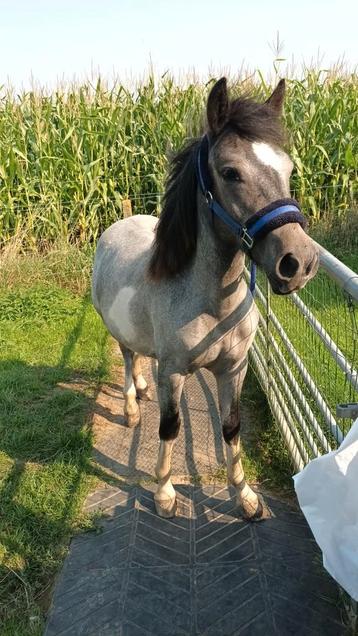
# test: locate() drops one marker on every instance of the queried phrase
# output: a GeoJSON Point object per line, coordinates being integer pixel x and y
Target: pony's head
{"type": "Point", "coordinates": [249, 174]}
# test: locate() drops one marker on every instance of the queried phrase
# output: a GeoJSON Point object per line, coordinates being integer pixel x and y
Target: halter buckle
{"type": "Point", "coordinates": [246, 239]}
{"type": "Point", "coordinates": [209, 198]}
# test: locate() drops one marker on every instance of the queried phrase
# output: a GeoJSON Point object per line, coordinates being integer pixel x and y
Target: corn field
{"type": "Point", "coordinates": [68, 159]}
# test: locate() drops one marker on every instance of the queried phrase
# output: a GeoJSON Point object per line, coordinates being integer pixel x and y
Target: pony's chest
{"type": "Point", "coordinates": [208, 340]}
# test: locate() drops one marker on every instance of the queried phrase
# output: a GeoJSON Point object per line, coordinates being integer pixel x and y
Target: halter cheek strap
{"type": "Point", "coordinates": [257, 226]}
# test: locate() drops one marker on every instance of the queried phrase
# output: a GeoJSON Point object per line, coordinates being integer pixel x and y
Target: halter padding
{"type": "Point", "coordinates": [274, 215]}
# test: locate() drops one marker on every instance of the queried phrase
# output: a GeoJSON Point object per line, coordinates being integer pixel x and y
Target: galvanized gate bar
{"type": "Point", "coordinates": [345, 277]}
{"type": "Point", "coordinates": [290, 388]}
{"type": "Point", "coordinates": [291, 401]}
{"type": "Point", "coordinates": [350, 373]}
{"type": "Point", "coordinates": [288, 438]}
{"type": "Point", "coordinates": [297, 390]}
{"type": "Point", "coordinates": [320, 401]}
{"type": "Point", "coordinates": [299, 394]}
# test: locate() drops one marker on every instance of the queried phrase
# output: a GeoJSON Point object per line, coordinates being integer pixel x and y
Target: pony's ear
{"type": "Point", "coordinates": [275, 101]}
{"type": "Point", "coordinates": [218, 106]}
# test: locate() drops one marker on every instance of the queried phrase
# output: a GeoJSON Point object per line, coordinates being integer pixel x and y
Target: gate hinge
{"type": "Point", "coordinates": [349, 409]}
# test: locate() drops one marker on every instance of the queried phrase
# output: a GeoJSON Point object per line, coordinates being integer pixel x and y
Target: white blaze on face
{"type": "Point", "coordinates": [276, 159]}
{"type": "Point", "coordinates": [119, 313]}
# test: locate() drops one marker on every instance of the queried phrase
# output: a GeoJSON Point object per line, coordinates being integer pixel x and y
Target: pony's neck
{"type": "Point", "coordinates": [217, 255]}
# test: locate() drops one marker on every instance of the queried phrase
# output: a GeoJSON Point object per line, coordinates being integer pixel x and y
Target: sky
{"type": "Point", "coordinates": [51, 41]}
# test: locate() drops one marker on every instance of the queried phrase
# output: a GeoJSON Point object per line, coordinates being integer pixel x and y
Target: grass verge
{"type": "Point", "coordinates": [339, 235]}
{"type": "Point", "coordinates": [265, 456]}
{"type": "Point", "coordinates": [51, 339]}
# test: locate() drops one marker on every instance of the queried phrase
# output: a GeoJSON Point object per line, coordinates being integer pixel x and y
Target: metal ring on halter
{"type": "Point", "coordinates": [246, 239]}
{"type": "Point", "coordinates": [209, 198]}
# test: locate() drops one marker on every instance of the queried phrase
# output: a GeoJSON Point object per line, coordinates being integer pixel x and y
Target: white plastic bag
{"type": "Point", "coordinates": [327, 491]}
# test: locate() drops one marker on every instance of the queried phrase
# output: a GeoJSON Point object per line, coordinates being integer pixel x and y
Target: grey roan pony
{"type": "Point", "coordinates": [174, 289]}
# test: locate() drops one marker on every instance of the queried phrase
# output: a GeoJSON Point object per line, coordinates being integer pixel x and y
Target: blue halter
{"type": "Point", "coordinates": [258, 225]}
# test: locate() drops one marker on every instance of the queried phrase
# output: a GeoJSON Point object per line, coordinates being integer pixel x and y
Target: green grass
{"type": "Point", "coordinates": [68, 159]}
{"type": "Point", "coordinates": [339, 235]}
{"type": "Point", "coordinates": [266, 459]}
{"type": "Point", "coordinates": [50, 338]}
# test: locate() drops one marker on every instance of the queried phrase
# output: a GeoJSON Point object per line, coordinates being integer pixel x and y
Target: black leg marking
{"type": "Point", "coordinates": [231, 426]}
{"type": "Point", "coordinates": [169, 426]}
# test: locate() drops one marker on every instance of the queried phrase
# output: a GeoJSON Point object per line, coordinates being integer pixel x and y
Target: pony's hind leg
{"type": "Point", "coordinates": [131, 408]}
{"type": "Point", "coordinates": [143, 392]}
{"type": "Point", "coordinates": [170, 387]}
{"type": "Point", "coordinates": [229, 390]}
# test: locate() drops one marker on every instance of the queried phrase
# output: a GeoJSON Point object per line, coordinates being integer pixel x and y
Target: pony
{"type": "Point", "coordinates": [174, 288]}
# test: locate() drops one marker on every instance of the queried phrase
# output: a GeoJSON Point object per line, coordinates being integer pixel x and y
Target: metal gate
{"type": "Point", "coordinates": [305, 355]}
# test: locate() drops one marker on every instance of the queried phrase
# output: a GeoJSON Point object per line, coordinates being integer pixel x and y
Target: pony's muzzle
{"type": "Point", "coordinates": [294, 269]}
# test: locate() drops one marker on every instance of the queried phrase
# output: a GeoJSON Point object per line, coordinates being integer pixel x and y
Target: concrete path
{"type": "Point", "coordinates": [205, 572]}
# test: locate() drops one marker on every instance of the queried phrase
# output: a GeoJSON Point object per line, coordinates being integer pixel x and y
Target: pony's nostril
{"type": "Point", "coordinates": [288, 266]}
{"type": "Point", "coordinates": [309, 266]}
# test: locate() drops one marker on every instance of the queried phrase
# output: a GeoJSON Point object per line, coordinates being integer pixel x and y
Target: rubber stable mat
{"type": "Point", "coordinates": [207, 571]}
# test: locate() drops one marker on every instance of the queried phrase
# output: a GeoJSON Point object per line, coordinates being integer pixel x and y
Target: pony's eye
{"type": "Point", "coordinates": [230, 174]}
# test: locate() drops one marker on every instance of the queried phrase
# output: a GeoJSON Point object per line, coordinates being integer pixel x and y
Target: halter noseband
{"type": "Point", "coordinates": [258, 225]}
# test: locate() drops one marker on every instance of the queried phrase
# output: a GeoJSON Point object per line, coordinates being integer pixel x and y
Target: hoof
{"type": "Point", "coordinates": [166, 508]}
{"type": "Point", "coordinates": [133, 420]}
{"type": "Point", "coordinates": [144, 394]}
{"type": "Point", "coordinates": [254, 512]}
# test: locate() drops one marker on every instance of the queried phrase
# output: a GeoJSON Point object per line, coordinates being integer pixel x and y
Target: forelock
{"type": "Point", "coordinates": [254, 121]}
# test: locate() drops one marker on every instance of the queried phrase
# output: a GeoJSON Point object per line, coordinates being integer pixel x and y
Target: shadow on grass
{"type": "Point", "coordinates": [45, 437]}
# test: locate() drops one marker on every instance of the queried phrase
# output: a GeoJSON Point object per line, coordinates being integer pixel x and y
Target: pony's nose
{"type": "Point", "coordinates": [297, 269]}
{"type": "Point", "coordinates": [288, 266]}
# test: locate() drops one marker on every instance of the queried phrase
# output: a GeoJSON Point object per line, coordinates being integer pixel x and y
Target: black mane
{"type": "Point", "coordinates": [176, 232]}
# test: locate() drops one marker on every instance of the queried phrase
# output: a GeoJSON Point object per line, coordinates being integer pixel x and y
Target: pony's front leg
{"type": "Point", "coordinates": [170, 386]}
{"type": "Point", "coordinates": [229, 391]}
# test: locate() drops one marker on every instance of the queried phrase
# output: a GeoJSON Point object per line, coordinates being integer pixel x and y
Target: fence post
{"type": "Point", "coordinates": [126, 208]}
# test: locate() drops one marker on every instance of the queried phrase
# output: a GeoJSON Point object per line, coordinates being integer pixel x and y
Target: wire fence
{"type": "Point", "coordinates": [306, 355]}
{"type": "Point", "coordinates": [81, 218]}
